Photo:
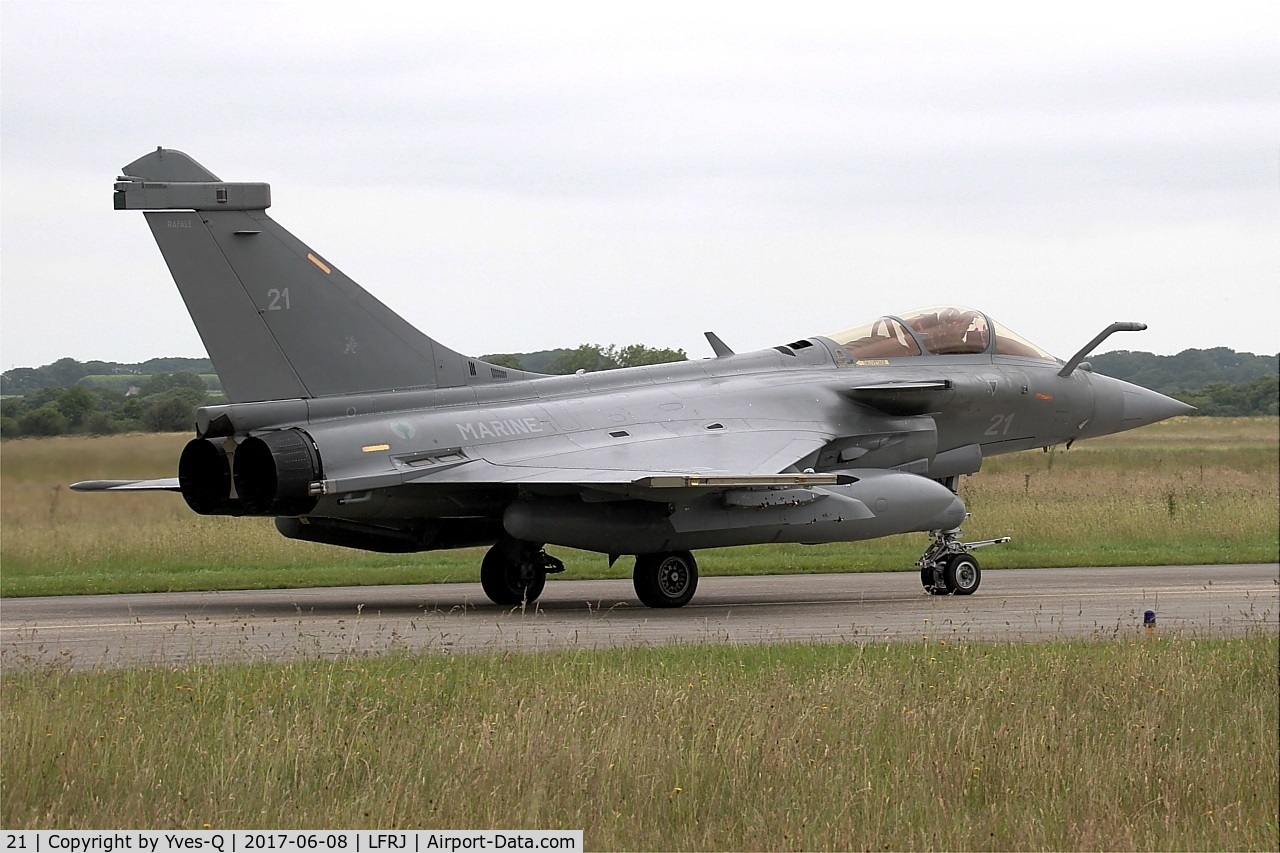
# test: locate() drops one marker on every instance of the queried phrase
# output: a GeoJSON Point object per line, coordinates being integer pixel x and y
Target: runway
{"type": "Point", "coordinates": [179, 629]}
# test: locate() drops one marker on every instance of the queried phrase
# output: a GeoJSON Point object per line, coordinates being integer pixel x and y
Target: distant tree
{"type": "Point", "coordinates": [1235, 399]}
{"type": "Point", "coordinates": [593, 357]}
{"type": "Point", "coordinates": [170, 412]}
{"type": "Point", "coordinates": [1265, 395]}
{"type": "Point", "coordinates": [131, 415]}
{"type": "Point", "coordinates": [588, 357]}
{"type": "Point", "coordinates": [68, 371]}
{"type": "Point", "coordinates": [9, 427]}
{"type": "Point", "coordinates": [109, 400]}
{"type": "Point", "coordinates": [65, 371]}
{"type": "Point", "coordinates": [160, 382]}
{"type": "Point", "coordinates": [77, 402]}
{"type": "Point", "coordinates": [638, 354]}
{"type": "Point", "coordinates": [101, 423]}
{"type": "Point", "coordinates": [171, 365]}
{"type": "Point", "coordinates": [1189, 370]}
{"type": "Point", "coordinates": [504, 359]}
{"type": "Point", "coordinates": [40, 397]}
{"type": "Point", "coordinates": [191, 395]}
{"type": "Point", "coordinates": [534, 362]}
{"type": "Point", "coordinates": [13, 407]}
{"type": "Point", "coordinates": [46, 420]}
{"type": "Point", "coordinates": [19, 380]}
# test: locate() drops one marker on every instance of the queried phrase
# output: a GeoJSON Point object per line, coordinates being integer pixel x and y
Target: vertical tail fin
{"type": "Point", "coordinates": [278, 319]}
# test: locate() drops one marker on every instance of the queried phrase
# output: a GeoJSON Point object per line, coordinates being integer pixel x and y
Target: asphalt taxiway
{"type": "Point", "coordinates": [176, 629]}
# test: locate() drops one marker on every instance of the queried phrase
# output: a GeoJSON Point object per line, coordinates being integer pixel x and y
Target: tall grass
{"type": "Point", "coordinates": [1164, 743]}
{"type": "Point", "coordinates": [1199, 490]}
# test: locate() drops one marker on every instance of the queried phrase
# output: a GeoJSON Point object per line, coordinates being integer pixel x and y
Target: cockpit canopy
{"type": "Point", "coordinates": [944, 330]}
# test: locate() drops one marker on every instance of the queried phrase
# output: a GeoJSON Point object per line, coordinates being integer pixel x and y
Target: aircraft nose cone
{"type": "Point", "coordinates": [1143, 406]}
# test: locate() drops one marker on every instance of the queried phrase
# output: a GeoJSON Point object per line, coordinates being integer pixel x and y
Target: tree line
{"type": "Point", "coordinates": [588, 357]}
{"type": "Point", "coordinates": [1235, 399]}
{"type": "Point", "coordinates": [66, 372]}
{"type": "Point", "coordinates": [1189, 370]}
{"type": "Point", "coordinates": [101, 398]}
{"type": "Point", "coordinates": [163, 402]}
{"type": "Point", "coordinates": [72, 397]}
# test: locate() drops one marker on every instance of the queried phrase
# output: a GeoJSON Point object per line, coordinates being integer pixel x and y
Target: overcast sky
{"type": "Point", "coordinates": [514, 181]}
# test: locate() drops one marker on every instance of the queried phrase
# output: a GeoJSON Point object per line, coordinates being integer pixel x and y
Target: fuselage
{"type": "Point", "coordinates": [902, 428]}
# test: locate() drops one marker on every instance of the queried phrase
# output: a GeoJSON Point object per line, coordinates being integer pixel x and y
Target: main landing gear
{"type": "Point", "coordinates": [514, 572]}
{"type": "Point", "coordinates": [666, 580]}
{"type": "Point", "coordinates": [947, 567]}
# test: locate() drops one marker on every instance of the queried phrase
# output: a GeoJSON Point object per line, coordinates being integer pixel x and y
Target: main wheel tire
{"type": "Point", "coordinates": [506, 582]}
{"type": "Point", "coordinates": [962, 574]}
{"type": "Point", "coordinates": [666, 580]}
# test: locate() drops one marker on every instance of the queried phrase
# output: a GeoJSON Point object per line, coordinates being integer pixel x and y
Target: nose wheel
{"type": "Point", "coordinates": [947, 567]}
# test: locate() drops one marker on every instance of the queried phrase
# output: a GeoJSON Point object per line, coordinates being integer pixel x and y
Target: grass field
{"type": "Point", "coordinates": [1190, 490]}
{"type": "Point", "coordinates": [1152, 742]}
{"type": "Point", "coordinates": [1149, 743]}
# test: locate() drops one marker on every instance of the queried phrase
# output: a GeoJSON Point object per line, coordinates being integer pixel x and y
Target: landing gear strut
{"type": "Point", "coordinates": [947, 567]}
{"type": "Point", "coordinates": [514, 572]}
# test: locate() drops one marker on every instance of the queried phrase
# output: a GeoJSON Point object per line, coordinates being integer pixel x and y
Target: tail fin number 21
{"type": "Point", "coordinates": [278, 299]}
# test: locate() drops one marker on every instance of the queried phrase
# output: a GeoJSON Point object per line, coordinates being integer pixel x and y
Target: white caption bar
{"type": "Point", "coordinates": [293, 841]}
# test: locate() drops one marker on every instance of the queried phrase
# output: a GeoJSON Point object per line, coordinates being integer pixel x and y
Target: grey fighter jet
{"type": "Point", "coordinates": [353, 428]}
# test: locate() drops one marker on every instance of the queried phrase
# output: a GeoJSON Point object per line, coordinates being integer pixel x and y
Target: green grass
{"type": "Point", "coordinates": [1152, 743]}
{"type": "Point", "coordinates": [1191, 490]}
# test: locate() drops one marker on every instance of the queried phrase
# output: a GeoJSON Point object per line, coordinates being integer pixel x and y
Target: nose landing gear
{"type": "Point", "coordinates": [947, 567]}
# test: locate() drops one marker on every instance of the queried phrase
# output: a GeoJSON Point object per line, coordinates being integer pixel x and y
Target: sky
{"type": "Point", "coordinates": [517, 177]}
